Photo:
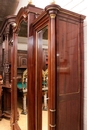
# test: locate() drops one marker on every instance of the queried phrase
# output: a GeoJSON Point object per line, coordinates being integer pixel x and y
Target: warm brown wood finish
{"type": "Point", "coordinates": [5, 63]}
{"type": "Point", "coordinates": [65, 66]}
{"type": "Point", "coordinates": [82, 72]}
{"type": "Point", "coordinates": [31, 72]}
{"type": "Point", "coordinates": [14, 117]}
{"type": "Point", "coordinates": [28, 14]}
{"type": "Point", "coordinates": [31, 85]}
{"type": "Point", "coordinates": [22, 59]}
{"type": "Point", "coordinates": [68, 74]}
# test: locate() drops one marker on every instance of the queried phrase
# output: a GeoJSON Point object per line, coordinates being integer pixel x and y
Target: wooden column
{"type": "Point", "coordinates": [52, 73]}
{"type": "Point", "coordinates": [14, 125]}
{"type": "Point", "coordinates": [31, 75]}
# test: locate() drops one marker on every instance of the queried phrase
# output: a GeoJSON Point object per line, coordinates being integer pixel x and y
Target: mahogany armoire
{"type": "Point", "coordinates": [64, 35]}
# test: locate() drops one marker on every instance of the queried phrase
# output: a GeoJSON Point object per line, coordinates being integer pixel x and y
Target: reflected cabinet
{"type": "Point", "coordinates": [55, 62]}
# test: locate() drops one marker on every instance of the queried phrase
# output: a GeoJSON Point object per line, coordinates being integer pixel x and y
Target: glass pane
{"type": "Point", "coordinates": [44, 78]}
{"type": "Point", "coordinates": [22, 76]}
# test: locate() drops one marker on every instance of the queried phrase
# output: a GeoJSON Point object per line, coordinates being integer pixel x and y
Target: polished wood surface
{"type": "Point", "coordinates": [5, 58]}
{"type": "Point", "coordinates": [27, 14]}
{"type": "Point", "coordinates": [65, 66]}
{"type": "Point", "coordinates": [6, 102]}
{"type": "Point", "coordinates": [22, 59]}
{"type": "Point", "coordinates": [68, 92]}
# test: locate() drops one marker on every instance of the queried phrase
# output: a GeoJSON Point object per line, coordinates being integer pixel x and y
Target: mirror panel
{"type": "Point", "coordinates": [42, 45]}
{"type": "Point", "coordinates": [22, 76]}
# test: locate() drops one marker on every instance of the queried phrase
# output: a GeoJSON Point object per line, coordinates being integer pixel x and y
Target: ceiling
{"type": "Point", "coordinates": [7, 7]}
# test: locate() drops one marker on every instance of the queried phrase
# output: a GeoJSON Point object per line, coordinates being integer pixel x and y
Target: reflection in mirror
{"type": "Point", "coordinates": [22, 76]}
{"type": "Point", "coordinates": [5, 77]}
{"type": "Point", "coordinates": [45, 79]}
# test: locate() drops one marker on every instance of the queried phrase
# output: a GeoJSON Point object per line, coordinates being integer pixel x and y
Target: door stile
{"type": "Point", "coordinates": [39, 81]}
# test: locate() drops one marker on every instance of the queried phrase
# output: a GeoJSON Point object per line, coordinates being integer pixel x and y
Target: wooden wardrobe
{"type": "Point", "coordinates": [65, 69]}
{"type": "Point", "coordinates": [63, 31]}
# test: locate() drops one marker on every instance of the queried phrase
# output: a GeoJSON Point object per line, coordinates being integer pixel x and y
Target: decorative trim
{"type": "Point", "coordinates": [70, 93]}
{"type": "Point", "coordinates": [39, 18]}
{"type": "Point", "coordinates": [53, 8]}
{"type": "Point", "coordinates": [52, 110]}
{"type": "Point", "coordinates": [53, 2]}
{"type": "Point", "coordinates": [52, 126]}
{"type": "Point", "coordinates": [30, 2]}
{"type": "Point", "coordinates": [73, 15]}
{"type": "Point", "coordinates": [52, 16]}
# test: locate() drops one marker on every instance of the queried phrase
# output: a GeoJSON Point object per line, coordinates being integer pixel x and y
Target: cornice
{"type": "Point", "coordinates": [57, 10]}
{"type": "Point", "coordinates": [23, 13]}
{"type": "Point", "coordinates": [54, 7]}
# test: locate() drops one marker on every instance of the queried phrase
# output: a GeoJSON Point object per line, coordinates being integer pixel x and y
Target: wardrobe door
{"type": "Point", "coordinates": [68, 76]}
{"type": "Point", "coordinates": [41, 85]}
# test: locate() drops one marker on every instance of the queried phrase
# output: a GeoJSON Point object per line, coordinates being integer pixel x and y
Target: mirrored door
{"type": "Point", "coordinates": [22, 76]}
{"type": "Point", "coordinates": [42, 78]}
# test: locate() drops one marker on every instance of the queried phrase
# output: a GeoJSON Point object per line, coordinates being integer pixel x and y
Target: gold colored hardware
{"type": "Point", "coordinates": [30, 2]}
{"type": "Point", "coordinates": [52, 126]}
{"type": "Point", "coordinates": [70, 93]}
{"type": "Point", "coordinates": [14, 24]}
{"type": "Point", "coordinates": [52, 16]}
{"type": "Point", "coordinates": [52, 110]}
{"type": "Point", "coordinates": [53, 2]}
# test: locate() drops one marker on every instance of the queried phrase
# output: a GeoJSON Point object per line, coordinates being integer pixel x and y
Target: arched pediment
{"type": "Point", "coordinates": [9, 20]}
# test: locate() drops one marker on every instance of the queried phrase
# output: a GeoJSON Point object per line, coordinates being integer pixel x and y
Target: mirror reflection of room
{"type": "Point", "coordinates": [5, 77]}
{"type": "Point", "coordinates": [45, 79]}
{"type": "Point", "coordinates": [22, 75]}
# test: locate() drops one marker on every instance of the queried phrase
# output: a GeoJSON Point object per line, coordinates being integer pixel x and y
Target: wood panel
{"type": "Point", "coordinates": [22, 59]}
{"type": "Point", "coordinates": [68, 90]}
{"type": "Point", "coordinates": [6, 102]}
{"type": "Point", "coordinates": [65, 67]}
